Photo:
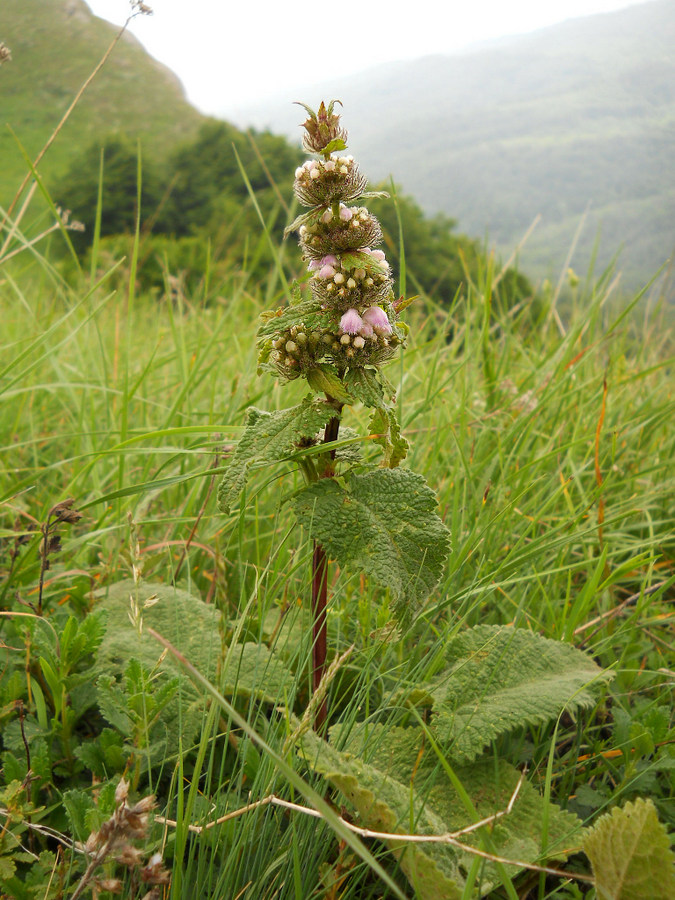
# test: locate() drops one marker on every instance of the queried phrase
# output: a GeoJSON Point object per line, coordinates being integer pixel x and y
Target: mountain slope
{"type": "Point", "coordinates": [579, 116]}
{"type": "Point", "coordinates": [55, 46]}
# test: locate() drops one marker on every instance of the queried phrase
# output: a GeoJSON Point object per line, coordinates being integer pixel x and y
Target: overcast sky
{"type": "Point", "coordinates": [233, 55]}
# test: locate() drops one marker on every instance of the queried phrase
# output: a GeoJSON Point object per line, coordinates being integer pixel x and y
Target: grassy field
{"type": "Point", "coordinates": [550, 447]}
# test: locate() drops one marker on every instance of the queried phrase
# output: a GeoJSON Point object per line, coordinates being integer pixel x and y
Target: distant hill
{"type": "Point", "coordinates": [579, 116]}
{"type": "Point", "coordinates": [55, 45]}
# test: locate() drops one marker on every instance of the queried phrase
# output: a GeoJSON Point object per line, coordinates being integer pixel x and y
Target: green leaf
{"type": "Point", "coordinates": [384, 423]}
{"type": "Point", "coordinates": [251, 670]}
{"type": "Point", "coordinates": [396, 784]}
{"type": "Point", "coordinates": [185, 620]}
{"type": "Point", "coordinates": [7, 869]}
{"type": "Point", "coordinates": [286, 316]}
{"type": "Point", "coordinates": [630, 853]}
{"type": "Point", "coordinates": [325, 379]}
{"type": "Point", "coordinates": [385, 524]}
{"type": "Point", "coordinates": [269, 438]}
{"type": "Point", "coordinates": [500, 678]}
{"type": "Point", "coordinates": [77, 804]}
{"type": "Point", "coordinates": [303, 219]}
{"type": "Point", "coordinates": [365, 386]}
{"type": "Point", "coordinates": [335, 145]}
{"type": "Point", "coordinates": [357, 259]}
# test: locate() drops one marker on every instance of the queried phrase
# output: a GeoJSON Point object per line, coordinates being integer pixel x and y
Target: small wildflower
{"type": "Point", "coordinates": [377, 318]}
{"type": "Point", "coordinates": [351, 322]}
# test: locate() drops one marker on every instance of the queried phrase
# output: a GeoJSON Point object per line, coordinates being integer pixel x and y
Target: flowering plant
{"type": "Point", "coordinates": [382, 519]}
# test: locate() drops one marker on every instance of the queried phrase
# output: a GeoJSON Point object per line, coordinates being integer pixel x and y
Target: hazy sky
{"type": "Point", "coordinates": [233, 55]}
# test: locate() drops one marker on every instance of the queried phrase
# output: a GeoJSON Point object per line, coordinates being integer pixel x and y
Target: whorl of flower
{"type": "Point", "coordinates": [297, 350]}
{"type": "Point", "coordinates": [356, 279]}
{"type": "Point", "coordinates": [322, 129]}
{"type": "Point", "coordinates": [352, 229]}
{"type": "Point", "coordinates": [327, 181]}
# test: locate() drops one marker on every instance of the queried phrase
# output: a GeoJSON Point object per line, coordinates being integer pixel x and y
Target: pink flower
{"type": "Point", "coordinates": [345, 213]}
{"type": "Point", "coordinates": [377, 318]}
{"type": "Point", "coordinates": [329, 260]}
{"type": "Point", "coordinates": [351, 322]}
{"type": "Point", "coordinates": [378, 255]}
{"type": "Point", "coordinates": [326, 272]}
{"type": "Point", "coordinates": [313, 264]}
{"type": "Point", "coordinates": [366, 330]}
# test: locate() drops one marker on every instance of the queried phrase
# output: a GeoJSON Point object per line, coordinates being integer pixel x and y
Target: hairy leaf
{"type": "Point", "coordinates": [271, 437]}
{"type": "Point", "coordinates": [384, 423]}
{"type": "Point", "coordinates": [186, 621]}
{"type": "Point", "coordinates": [384, 523]}
{"type": "Point", "coordinates": [630, 853]}
{"type": "Point", "coordinates": [253, 670]}
{"type": "Point", "coordinates": [397, 785]}
{"type": "Point", "coordinates": [499, 678]}
{"type": "Point", "coordinates": [325, 379]}
{"type": "Point", "coordinates": [286, 316]}
{"type": "Point", "coordinates": [365, 386]}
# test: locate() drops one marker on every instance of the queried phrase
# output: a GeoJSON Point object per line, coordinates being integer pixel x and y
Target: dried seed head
{"type": "Point", "coordinates": [5, 53]}
{"type": "Point", "coordinates": [121, 791]}
{"type": "Point", "coordinates": [64, 512]}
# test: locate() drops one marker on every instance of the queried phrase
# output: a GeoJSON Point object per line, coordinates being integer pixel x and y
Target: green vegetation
{"type": "Point", "coordinates": [556, 496]}
{"type": "Point", "coordinates": [153, 645]}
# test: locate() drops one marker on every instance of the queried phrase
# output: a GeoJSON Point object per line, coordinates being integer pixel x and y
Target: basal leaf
{"type": "Point", "coordinates": [268, 438]}
{"type": "Point", "coordinates": [384, 423]}
{"type": "Point", "coordinates": [499, 678]}
{"type": "Point", "coordinates": [384, 804]}
{"type": "Point", "coordinates": [184, 619]}
{"type": "Point", "coordinates": [253, 670]}
{"type": "Point", "coordinates": [393, 780]}
{"type": "Point", "coordinates": [385, 524]}
{"type": "Point", "coordinates": [630, 853]}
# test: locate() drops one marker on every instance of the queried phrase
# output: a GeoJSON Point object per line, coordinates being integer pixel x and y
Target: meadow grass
{"type": "Point", "coordinates": [549, 443]}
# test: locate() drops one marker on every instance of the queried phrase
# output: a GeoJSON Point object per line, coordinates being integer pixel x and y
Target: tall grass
{"type": "Point", "coordinates": [549, 443]}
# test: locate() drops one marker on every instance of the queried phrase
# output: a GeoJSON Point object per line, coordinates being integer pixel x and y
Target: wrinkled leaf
{"type": "Point", "coordinates": [365, 386]}
{"type": "Point", "coordinates": [325, 379]}
{"type": "Point", "coordinates": [269, 438]}
{"type": "Point", "coordinates": [500, 678]}
{"type": "Point", "coordinates": [630, 853]}
{"type": "Point", "coordinates": [383, 523]}
{"type": "Point", "coordinates": [397, 785]}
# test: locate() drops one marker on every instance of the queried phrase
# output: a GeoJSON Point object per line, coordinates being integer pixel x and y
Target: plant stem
{"type": "Point", "coordinates": [320, 591]}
